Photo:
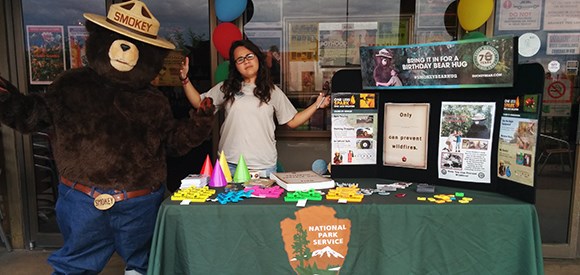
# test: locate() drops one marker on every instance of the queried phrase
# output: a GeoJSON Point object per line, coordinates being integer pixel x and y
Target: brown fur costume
{"type": "Point", "coordinates": [110, 129]}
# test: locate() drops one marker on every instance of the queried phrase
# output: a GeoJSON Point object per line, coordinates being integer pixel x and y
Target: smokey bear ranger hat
{"type": "Point", "coordinates": [385, 53]}
{"type": "Point", "coordinates": [132, 19]}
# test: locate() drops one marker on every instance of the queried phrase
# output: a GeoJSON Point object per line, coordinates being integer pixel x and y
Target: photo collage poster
{"type": "Point", "coordinates": [354, 128]}
{"type": "Point", "coordinates": [518, 136]}
{"type": "Point", "coordinates": [465, 141]}
{"type": "Point", "coordinates": [406, 131]}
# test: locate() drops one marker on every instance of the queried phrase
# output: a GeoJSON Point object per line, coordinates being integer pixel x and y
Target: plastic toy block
{"type": "Point", "coordinates": [311, 194]}
{"type": "Point", "coordinates": [269, 192]}
{"type": "Point", "coordinates": [355, 198]}
{"type": "Point", "coordinates": [459, 194]}
{"type": "Point", "coordinates": [233, 196]}
{"type": "Point", "coordinates": [348, 194]}
{"type": "Point", "coordinates": [177, 197]}
{"type": "Point", "coordinates": [194, 194]}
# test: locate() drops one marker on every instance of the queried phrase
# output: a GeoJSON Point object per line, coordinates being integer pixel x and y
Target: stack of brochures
{"type": "Point", "coordinates": [196, 180]}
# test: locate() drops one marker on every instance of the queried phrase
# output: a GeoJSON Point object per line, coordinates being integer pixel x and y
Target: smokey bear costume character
{"type": "Point", "coordinates": [382, 71]}
{"type": "Point", "coordinates": [110, 133]}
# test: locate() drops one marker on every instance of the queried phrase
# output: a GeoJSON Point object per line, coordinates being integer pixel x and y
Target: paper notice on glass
{"type": "Point", "coordinates": [339, 43]}
{"type": "Point", "coordinates": [406, 135]}
{"type": "Point", "coordinates": [465, 141]}
{"type": "Point", "coordinates": [562, 15]}
{"type": "Point", "coordinates": [519, 14]}
{"type": "Point", "coordinates": [563, 43]}
{"type": "Point", "coordinates": [77, 37]}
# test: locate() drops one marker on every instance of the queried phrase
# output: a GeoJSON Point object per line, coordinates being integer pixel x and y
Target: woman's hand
{"type": "Point", "coordinates": [322, 101]}
{"type": "Point", "coordinates": [184, 68]}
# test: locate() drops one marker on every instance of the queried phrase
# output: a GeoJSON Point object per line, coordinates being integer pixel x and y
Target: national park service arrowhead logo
{"type": "Point", "coordinates": [316, 242]}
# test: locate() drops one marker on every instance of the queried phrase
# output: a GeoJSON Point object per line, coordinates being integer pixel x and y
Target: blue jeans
{"type": "Point", "coordinates": [91, 236]}
{"type": "Point", "coordinates": [264, 173]}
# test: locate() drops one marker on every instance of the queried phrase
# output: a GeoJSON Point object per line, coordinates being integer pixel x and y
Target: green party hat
{"type": "Point", "coordinates": [242, 173]}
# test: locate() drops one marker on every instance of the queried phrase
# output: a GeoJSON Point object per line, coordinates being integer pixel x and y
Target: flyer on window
{"type": "Point", "coordinates": [77, 37]}
{"type": "Point", "coordinates": [432, 14]}
{"type": "Point", "coordinates": [339, 43]}
{"type": "Point", "coordinates": [406, 130]}
{"type": "Point", "coordinates": [354, 128]}
{"type": "Point", "coordinates": [562, 15]}
{"type": "Point", "coordinates": [46, 53]}
{"type": "Point", "coordinates": [465, 141]}
{"type": "Point", "coordinates": [518, 135]}
{"type": "Point", "coordinates": [169, 74]}
{"type": "Point", "coordinates": [519, 14]}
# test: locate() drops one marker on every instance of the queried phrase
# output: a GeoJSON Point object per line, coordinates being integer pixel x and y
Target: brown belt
{"type": "Point", "coordinates": [119, 196]}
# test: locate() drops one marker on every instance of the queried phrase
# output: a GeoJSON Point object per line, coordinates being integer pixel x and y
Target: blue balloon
{"type": "Point", "coordinates": [319, 166]}
{"type": "Point", "coordinates": [228, 10]}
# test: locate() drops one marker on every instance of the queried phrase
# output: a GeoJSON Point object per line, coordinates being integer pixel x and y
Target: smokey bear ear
{"type": "Point", "coordinates": [206, 106]}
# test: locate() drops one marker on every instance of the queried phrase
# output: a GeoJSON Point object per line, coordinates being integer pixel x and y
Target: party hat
{"type": "Point", "coordinates": [225, 167]}
{"type": "Point", "coordinates": [206, 169]}
{"type": "Point", "coordinates": [217, 179]}
{"type": "Point", "coordinates": [242, 173]}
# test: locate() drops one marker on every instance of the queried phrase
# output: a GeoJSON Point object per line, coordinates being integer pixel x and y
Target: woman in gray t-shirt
{"type": "Point", "coordinates": [250, 101]}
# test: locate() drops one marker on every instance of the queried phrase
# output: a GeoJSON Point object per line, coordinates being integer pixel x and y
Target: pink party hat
{"type": "Point", "coordinates": [242, 173]}
{"type": "Point", "coordinates": [225, 167]}
{"type": "Point", "coordinates": [218, 179]}
{"type": "Point", "coordinates": [206, 169]}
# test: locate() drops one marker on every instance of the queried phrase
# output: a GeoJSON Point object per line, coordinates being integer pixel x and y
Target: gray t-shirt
{"type": "Point", "coordinates": [248, 128]}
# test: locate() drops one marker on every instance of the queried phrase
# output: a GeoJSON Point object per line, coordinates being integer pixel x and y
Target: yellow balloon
{"type": "Point", "coordinates": [473, 13]}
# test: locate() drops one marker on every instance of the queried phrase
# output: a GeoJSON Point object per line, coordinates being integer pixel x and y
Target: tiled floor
{"type": "Point", "coordinates": [26, 262]}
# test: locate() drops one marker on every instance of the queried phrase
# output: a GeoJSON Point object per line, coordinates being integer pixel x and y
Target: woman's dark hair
{"type": "Point", "coordinates": [233, 84]}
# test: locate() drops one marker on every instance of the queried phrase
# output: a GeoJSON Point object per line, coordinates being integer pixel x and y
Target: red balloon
{"type": "Point", "coordinates": [223, 36]}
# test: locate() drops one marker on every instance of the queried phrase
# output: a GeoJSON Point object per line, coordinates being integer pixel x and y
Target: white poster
{"type": "Point", "coordinates": [516, 149]}
{"type": "Point", "coordinates": [519, 14]}
{"type": "Point", "coordinates": [406, 131]}
{"type": "Point", "coordinates": [562, 15]}
{"type": "Point", "coordinates": [354, 129]}
{"type": "Point", "coordinates": [465, 141]}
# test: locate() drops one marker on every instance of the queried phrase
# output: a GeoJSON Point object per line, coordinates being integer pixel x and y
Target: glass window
{"type": "Point", "coordinates": [307, 41]}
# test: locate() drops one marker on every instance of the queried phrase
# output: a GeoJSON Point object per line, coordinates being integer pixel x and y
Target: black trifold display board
{"type": "Point", "coordinates": [529, 79]}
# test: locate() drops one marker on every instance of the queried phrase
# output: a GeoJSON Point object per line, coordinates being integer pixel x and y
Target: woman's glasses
{"type": "Point", "coordinates": [248, 57]}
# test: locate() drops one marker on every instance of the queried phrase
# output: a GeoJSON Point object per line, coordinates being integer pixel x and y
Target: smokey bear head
{"type": "Point", "coordinates": [124, 47]}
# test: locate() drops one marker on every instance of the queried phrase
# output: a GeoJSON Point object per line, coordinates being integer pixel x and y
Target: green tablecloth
{"type": "Point", "coordinates": [493, 234]}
